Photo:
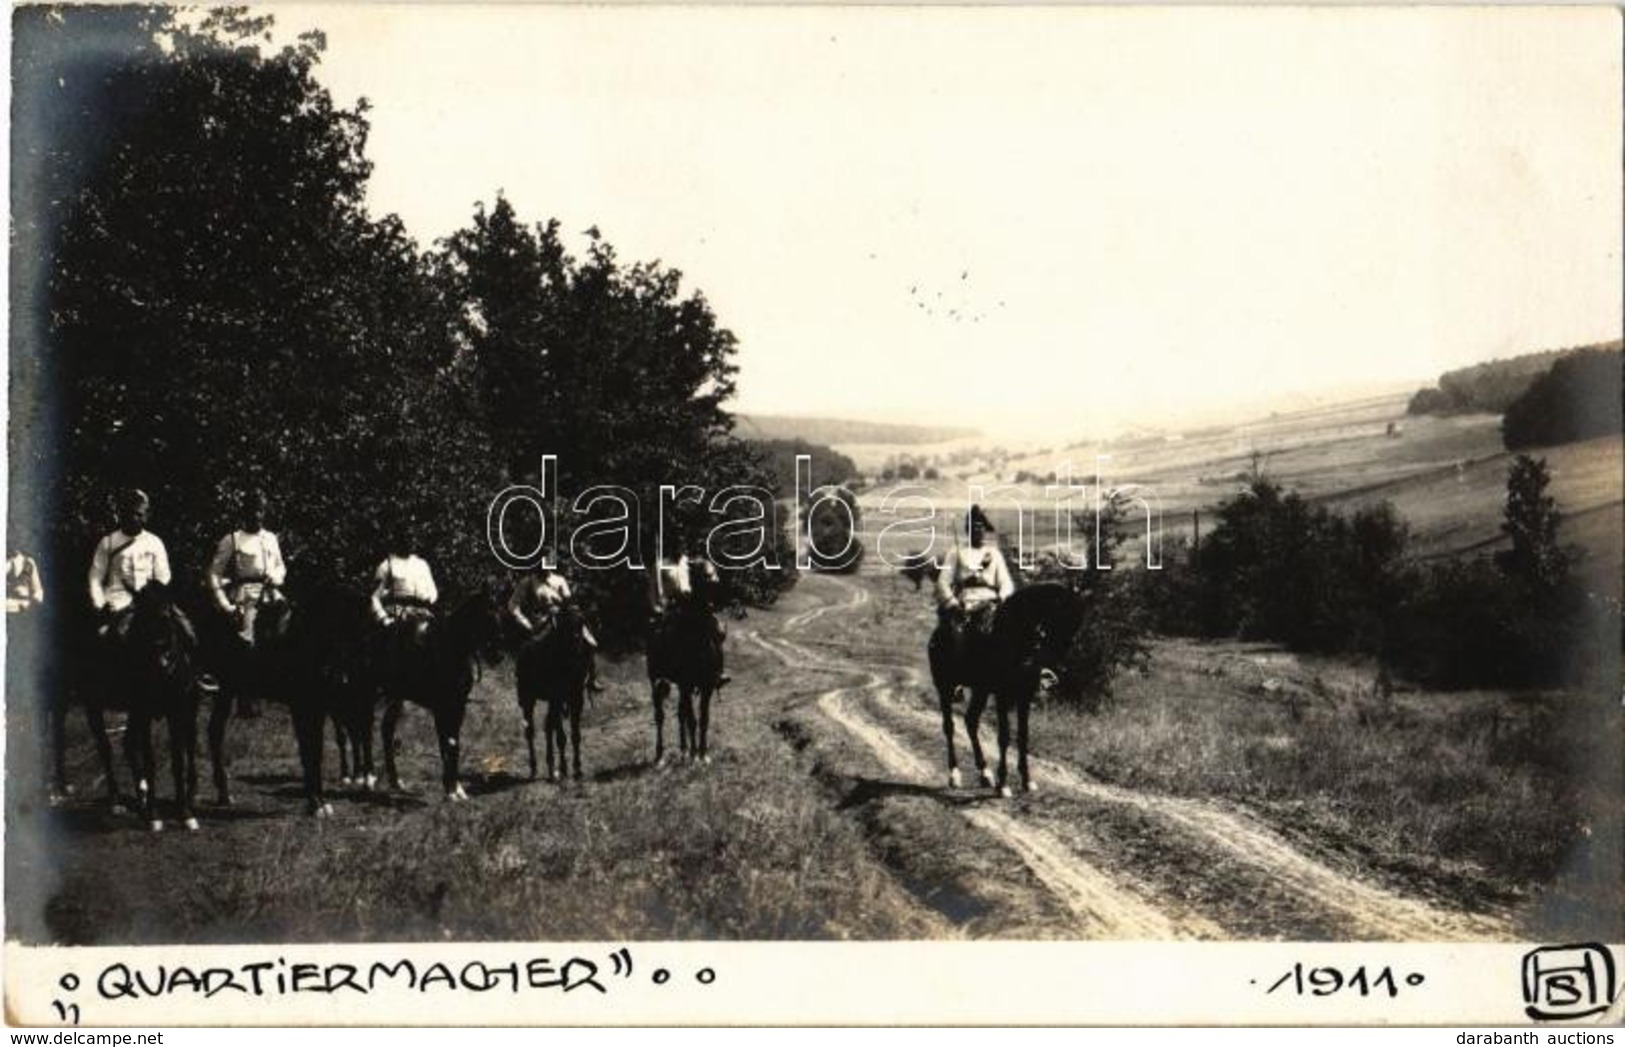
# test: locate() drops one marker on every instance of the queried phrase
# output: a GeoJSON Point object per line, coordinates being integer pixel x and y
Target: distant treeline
{"type": "Point", "coordinates": [1488, 388]}
{"type": "Point", "coordinates": [1579, 398]}
{"type": "Point", "coordinates": [1277, 568]}
{"type": "Point", "coordinates": [832, 431]}
{"type": "Point", "coordinates": [828, 465]}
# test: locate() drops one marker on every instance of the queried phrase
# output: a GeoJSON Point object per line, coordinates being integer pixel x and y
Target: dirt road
{"type": "Point", "coordinates": [882, 703]}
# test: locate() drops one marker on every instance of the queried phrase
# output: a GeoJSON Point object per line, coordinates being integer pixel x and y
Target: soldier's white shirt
{"type": "Point", "coordinates": [974, 575]}
{"type": "Point", "coordinates": [124, 565]}
{"type": "Point", "coordinates": [245, 560]}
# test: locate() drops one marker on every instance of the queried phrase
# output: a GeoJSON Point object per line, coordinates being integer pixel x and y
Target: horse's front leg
{"type": "Point", "coordinates": [183, 761]}
{"type": "Point", "coordinates": [219, 716]}
{"type": "Point", "coordinates": [1004, 741]}
{"type": "Point", "coordinates": [576, 707]}
{"type": "Point", "coordinates": [392, 718]}
{"type": "Point", "coordinates": [973, 721]}
{"type": "Point", "coordinates": [945, 701]}
{"type": "Point", "coordinates": [553, 736]}
{"type": "Point", "coordinates": [705, 724]}
{"type": "Point", "coordinates": [448, 724]}
{"type": "Point", "coordinates": [309, 722]}
{"type": "Point", "coordinates": [1023, 707]}
{"type": "Point", "coordinates": [661, 690]}
{"type": "Point", "coordinates": [685, 720]}
{"type": "Point", "coordinates": [138, 750]}
{"type": "Point", "coordinates": [97, 721]}
{"type": "Point", "coordinates": [527, 709]}
{"type": "Point", "coordinates": [341, 738]}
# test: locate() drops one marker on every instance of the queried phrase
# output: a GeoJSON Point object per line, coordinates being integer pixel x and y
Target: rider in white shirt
{"type": "Point", "coordinates": [974, 579]}
{"type": "Point", "coordinates": [535, 605]}
{"type": "Point", "coordinates": [405, 586]}
{"type": "Point", "coordinates": [124, 563]}
{"type": "Point", "coordinates": [247, 567]}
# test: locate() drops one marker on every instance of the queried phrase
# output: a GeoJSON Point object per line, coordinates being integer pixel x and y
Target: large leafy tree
{"type": "Point", "coordinates": [224, 313]}
{"type": "Point", "coordinates": [610, 368]}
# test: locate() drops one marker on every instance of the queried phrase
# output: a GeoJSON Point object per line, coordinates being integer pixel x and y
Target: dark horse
{"type": "Point", "coordinates": [305, 653]}
{"type": "Point", "coordinates": [685, 651]}
{"type": "Point", "coordinates": [151, 672]}
{"type": "Point", "coordinates": [434, 664]}
{"type": "Point", "coordinates": [554, 668]}
{"type": "Point", "coordinates": [1012, 658]}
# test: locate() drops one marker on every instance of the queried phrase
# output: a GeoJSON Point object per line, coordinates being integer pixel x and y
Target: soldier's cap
{"type": "Point", "coordinates": [133, 498]}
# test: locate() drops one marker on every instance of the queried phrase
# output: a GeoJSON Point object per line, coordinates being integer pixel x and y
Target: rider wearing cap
{"type": "Point", "coordinates": [974, 579]}
{"type": "Point", "coordinates": [671, 587]}
{"type": "Point", "coordinates": [247, 567]}
{"type": "Point", "coordinates": [125, 562]}
{"type": "Point", "coordinates": [405, 589]}
{"type": "Point", "coordinates": [535, 606]}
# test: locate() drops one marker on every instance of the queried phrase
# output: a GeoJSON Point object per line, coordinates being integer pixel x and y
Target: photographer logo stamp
{"type": "Point", "coordinates": [1568, 982]}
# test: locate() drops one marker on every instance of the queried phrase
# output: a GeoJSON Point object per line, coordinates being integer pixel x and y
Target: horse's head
{"type": "Point", "coordinates": [475, 628]}
{"type": "Point", "coordinates": [273, 622]}
{"type": "Point", "coordinates": [159, 636]}
{"type": "Point", "coordinates": [1034, 630]}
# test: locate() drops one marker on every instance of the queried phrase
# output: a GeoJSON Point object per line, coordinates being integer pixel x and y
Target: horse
{"type": "Point", "coordinates": [920, 568]}
{"type": "Point", "coordinates": [685, 650]}
{"type": "Point", "coordinates": [554, 668]}
{"type": "Point", "coordinates": [433, 664]}
{"type": "Point", "coordinates": [305, 653]}
{"type": "Point", "coordinates": [243, 666]}
{"type": "Point", "coordinates": [1017, 655]}
{"type": "Point", "coordinates": [151, 672]}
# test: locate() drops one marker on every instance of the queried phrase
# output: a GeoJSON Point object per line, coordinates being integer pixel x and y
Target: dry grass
{"type": "Point", "coordinates": [1486, 797]}
{"type": "Point", "coordinates": [746, 848]}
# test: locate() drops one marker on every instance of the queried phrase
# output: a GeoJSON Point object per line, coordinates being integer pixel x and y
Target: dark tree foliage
{"type": "Point", "coordinates": [1579, 398]}
{"type": "Point", "coordinates": [1518, 619]}
{"type": "Point", "coordinates": [213, 308]}
{"type": "Point", "coordinates": [1488, 388]}
{"type": "Point", "coordinates": [225, 314]}
{"type": "Point", "coordinates": [617, 374]}
{"type": "Point", "coordinates": [1278, 568]}
{"type": "Point", "coordinates": [828, 465]}
{"type": "Point", "coordinates": [1117, 619]}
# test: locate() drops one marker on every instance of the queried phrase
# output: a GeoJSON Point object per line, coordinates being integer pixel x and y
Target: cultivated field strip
{"type": "Point", "coordinates": [1102, 908]}
{"type": "Point", "coordinates": [1369, 911]}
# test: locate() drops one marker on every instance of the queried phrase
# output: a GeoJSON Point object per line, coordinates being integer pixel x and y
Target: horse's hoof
{"type": "Point", "coordinates": [706, 759]}
{"type": "Point", "coordinates": [1004, 791]}
{"type": "Point", "coordinates": [458, 793]}
{"type": "Point", "coordinates": [156, 825]}
{"type": "Point", "coordinates": [346, 782]}
{"type": "Point", "coordinates": [1030, 788]}
{"type": "Point", "coordinates": [953, 778]}
{"type": "Point", "coordinates": [987, 779]}
{"type": "Point", "coordinates": [224, 801]}
{"type": "Point", "coordinates": [324, 811]}
{"type": "Point", "coordinates": [370, 782]}
{"type": "Point", "coordinates": [119, 808]}
{"type": "Point", "coordinates": [191, 824]}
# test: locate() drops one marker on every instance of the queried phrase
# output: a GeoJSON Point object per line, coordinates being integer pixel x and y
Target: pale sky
{"type": "Point", "coordinates": [1043, 221]}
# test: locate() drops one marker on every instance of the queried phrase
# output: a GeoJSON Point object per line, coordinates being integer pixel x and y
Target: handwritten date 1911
{"type": "Point", "coordinates": [1328, 981]}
